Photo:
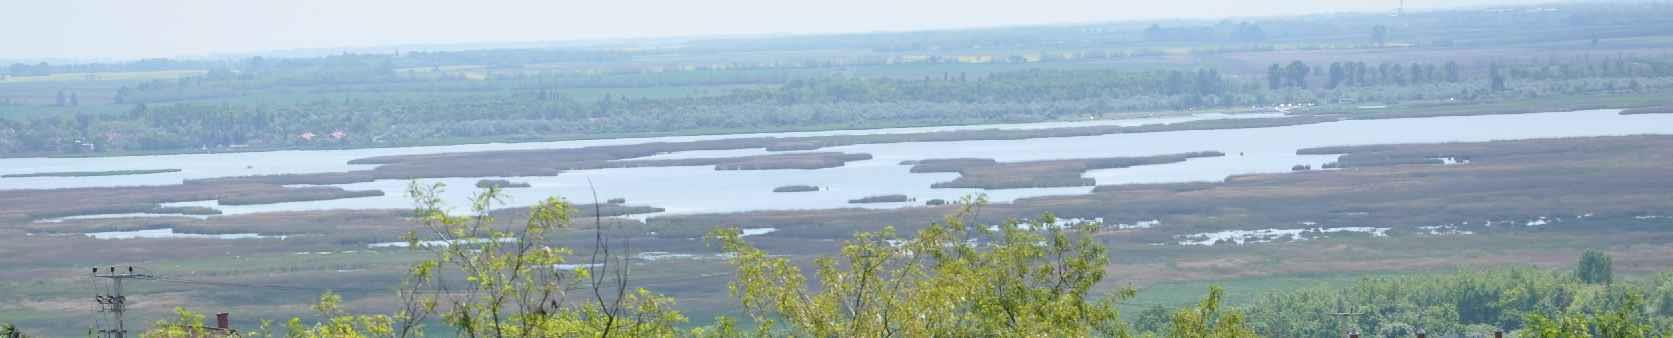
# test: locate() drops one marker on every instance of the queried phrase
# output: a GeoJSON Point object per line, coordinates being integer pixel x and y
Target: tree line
{"type": "Point", "coordinates": [367, 100]}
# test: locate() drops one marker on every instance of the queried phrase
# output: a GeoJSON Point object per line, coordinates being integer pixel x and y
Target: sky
{"type": "Point", "coordinates": [126, 29]}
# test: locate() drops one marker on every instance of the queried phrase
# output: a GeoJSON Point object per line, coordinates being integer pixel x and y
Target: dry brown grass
{"type": "Point", "coordinates": [988, 174]}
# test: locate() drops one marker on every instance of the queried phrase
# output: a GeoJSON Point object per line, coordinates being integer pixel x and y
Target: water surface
{"type": "Point", "coordinates": [704, 190]}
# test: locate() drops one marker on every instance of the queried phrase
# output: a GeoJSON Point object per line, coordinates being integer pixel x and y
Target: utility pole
{"type": "Point", "coordinates": [115, 303]}
{"type": "Point", "coordinates": [1343, 318]}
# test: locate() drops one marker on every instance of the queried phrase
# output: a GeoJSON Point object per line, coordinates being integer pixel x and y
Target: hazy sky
{"type": "Point", "coordinates": [152, 28]}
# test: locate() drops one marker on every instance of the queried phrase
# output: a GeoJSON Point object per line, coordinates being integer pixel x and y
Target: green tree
{"type": "Point", "coordinates": [11, 331]}
{"type": "Point", "coordinates": [513, 284]}
{"type": "Point", "coordinates": [1418, 74]}
{"type": "Point", "coordinates": [953, 279]}
{"type": "Point", "coordinates": [1563, 326]}
{"type": "Point", "coordinates": [1337, 75]}
{"type": "Point", "coordinates": [1210, 320]}
{"type": "Point", "coordinates": [338, 322]}
{"type": "Point", "coordinates": [1296, 74]}
{"type": "Point", "coordinates": [184, 324]}
{"type": "Point", "coordinates": [1152, 320]}
{"type": "Point", "coordinates": [1595, 267]}
{"type": "Point", "coordinates": [1274, 77]}
{"type": "Point", "coordinates": [1379, 35]}
{"type": "Point", "coordinates": [1625, 321]}
{"type": "Point", "coordinates": [1498, 78]}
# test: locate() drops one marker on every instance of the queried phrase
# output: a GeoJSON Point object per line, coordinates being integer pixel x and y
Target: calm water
{"type": "Point", "coordinates": [702, 189]}
{"type": "Point", "coordinates": [194, 166]}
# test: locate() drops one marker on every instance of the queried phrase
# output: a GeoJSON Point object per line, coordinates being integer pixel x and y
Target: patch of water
{"type": "Point", "coordinates": [122, 215]}
{"type": "Point", "coordinates": [210, 165]}
{"type": "Point", "coordinates": [1139, 225]}
{"type": "Point", "coordinates": [662, 255]}
{"type": "Point", "coordinates": [1451, 160]}
{"type": "Point", "coordinates": [169, 233]}
{"type": "Point", "coordinates": [1444, 230]}
{"type": "Point", "coordinates": [573, 267]}
{"type": "Point", "coordinates": [435, 243]}
{"type": "Point", "coordinates": [1241, 237]}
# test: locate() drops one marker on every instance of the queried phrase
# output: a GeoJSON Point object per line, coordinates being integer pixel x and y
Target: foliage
{"type": "Point", "coordinates": [513, 284]}
{"type": "Point", "coordinates": [11, 331]}
{"type": "Point", "coordinates": [1210, 320]}
{"type": "Point", "coordinates": [1152, 320]}
{"type": "Point", "coordinates": [185, 324]}
{"type": "Point", "coordinates": [1623, 322]}
{"type": "Point", "coordinates": [1595, 268]}
{"type": "Point", "coordinates": [338, 322]}
{"type": "Point", "coordinates": [952, 279]}
{"type": "Point", "coordinates": [1554, 303]}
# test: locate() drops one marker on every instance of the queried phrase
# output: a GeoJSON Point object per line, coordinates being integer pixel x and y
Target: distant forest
{"type": "Point", "coordinates": [874, 80]}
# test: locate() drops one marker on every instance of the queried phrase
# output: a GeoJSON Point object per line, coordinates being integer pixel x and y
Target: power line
{"type": "Point", "coordinates": [116, 303]}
